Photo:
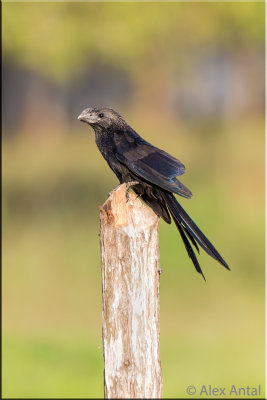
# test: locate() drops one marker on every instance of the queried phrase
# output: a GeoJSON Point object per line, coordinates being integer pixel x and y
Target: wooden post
{"type": "Point", "coordinates": [130, 289]}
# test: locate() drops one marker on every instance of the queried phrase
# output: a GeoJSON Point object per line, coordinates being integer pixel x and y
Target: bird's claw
{"type": "Point", "coordinates": [128, 187]}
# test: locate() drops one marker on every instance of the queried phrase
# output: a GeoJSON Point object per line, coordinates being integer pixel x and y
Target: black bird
{"type": "Point", "coordinates": [152, 173]}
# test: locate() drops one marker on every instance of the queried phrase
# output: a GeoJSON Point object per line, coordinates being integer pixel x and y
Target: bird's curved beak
{"type": "Point", "coordinates": [88, 115]}
{"type": "Point", "coordinates": [83, 116]}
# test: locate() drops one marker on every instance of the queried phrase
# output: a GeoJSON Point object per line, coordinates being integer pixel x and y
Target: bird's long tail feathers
{"type": "Point", "coordinates": [189, 230]}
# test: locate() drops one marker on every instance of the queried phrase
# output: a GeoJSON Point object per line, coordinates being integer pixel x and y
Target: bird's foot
{"type": "Point", "coordinates": [128, 187]}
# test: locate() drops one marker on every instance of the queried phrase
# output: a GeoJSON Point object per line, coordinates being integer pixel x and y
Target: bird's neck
{"type": "Point", "coordinates": [104, 141]}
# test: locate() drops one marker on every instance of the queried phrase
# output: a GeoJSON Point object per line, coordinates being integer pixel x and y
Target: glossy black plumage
{"type": "Point", "coordinates": [154, 171]}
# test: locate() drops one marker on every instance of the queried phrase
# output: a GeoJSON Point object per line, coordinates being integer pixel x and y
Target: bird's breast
{"type": "Point", "coordinates": [106, 145]}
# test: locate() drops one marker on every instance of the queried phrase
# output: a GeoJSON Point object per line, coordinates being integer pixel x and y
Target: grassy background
{"type": "Point", "coordinates": [211, 333]}
{"type": "Point", "coordinates": [190, 79]}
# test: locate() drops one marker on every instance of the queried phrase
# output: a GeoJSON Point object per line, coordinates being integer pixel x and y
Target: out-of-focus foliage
{"type": "Point", "coordinates": [200, 69]}
{"type": "Point", "coordinates": [61, 39]}
{"type": "Point", "coordinates": [210, 332]}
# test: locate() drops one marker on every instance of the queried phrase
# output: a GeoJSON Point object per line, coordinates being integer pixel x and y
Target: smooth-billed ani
{"type": "Point", "coordinates": [154, 172]}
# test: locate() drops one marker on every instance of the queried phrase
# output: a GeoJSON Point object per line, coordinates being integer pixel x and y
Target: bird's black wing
{"type": "Point", "coordinates": [150, 163]}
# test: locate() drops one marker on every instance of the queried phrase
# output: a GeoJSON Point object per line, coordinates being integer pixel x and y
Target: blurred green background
{"type": "Point", "coordinates": [189, 77]}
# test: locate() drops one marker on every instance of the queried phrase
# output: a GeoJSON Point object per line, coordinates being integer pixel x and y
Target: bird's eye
{"type": "Point", "coordinates": [101, 115]}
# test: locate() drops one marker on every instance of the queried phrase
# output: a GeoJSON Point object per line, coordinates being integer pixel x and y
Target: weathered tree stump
{"type": "Point", "coordinates": [130, 289]}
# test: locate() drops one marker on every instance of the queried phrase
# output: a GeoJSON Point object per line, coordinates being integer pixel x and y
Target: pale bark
{"type": "Point", "coordinates": [130, 289]}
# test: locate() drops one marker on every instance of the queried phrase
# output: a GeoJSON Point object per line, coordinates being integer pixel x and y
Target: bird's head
{"type": "Point", "coordinates": [101, 117]}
